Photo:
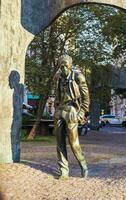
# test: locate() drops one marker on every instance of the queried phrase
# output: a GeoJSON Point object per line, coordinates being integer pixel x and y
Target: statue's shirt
{"type": "Point", "coordinates": [72, 91]}
{"type": "Point", "coordinates": [65, 93]}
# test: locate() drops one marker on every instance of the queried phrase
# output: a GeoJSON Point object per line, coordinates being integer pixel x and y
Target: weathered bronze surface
{"type": "Point", "coordinates": [72, 102]}
{"type": "Point", "coordinates": [36, 15]}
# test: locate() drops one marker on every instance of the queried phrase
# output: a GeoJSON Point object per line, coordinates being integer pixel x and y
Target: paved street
{"type": "Point", "coordinates": [114, 129]}
{"type": "Point", "coordinates": [103, 146]}
{"type": "Point", "coordinates": [36, 176]}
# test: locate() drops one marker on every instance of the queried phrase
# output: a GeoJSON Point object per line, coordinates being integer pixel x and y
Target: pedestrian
{"type": "Point", "coordinates": [71, 103]}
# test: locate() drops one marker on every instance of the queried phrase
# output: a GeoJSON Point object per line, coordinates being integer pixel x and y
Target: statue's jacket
{"type": "Point", "coordinates": [78, 92]}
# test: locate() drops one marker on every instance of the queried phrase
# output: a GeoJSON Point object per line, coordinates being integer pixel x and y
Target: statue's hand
{"type": "Point", "coordinates": [81, 119]}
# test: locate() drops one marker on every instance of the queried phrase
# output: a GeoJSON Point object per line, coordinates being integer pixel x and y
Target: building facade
{"type": "Point", "coordinates": [117, 105]}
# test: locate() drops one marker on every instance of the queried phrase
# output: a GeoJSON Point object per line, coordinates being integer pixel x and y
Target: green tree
{"type": "Point", "coordinates": [87, 34]}
{"type": "Point", "coordinates": [41, 63]}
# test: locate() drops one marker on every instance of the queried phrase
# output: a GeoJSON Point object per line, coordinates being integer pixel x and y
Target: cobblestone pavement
{"type": "Point", "coordinates": [35, 178]}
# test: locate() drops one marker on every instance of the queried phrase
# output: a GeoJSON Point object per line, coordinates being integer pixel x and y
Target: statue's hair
{"type": "Point", "coordinates": [14, 75]}
{"type": "Point", "coordinates": [65, 57]}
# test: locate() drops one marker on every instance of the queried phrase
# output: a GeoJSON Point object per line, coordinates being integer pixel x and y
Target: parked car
{"type": "Point", "coordinates": [110, 119]}
{"type": "Point", "coordinates": [124, 121]}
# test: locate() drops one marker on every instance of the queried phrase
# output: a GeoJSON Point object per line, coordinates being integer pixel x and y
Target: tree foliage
{"type": "Point", "coordinates": [94, 35]}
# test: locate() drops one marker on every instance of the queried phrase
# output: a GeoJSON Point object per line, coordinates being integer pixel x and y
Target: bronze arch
{"type": "Point", "coordinates": [36, 15]}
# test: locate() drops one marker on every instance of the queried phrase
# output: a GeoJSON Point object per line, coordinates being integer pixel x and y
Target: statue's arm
{"type": "Point", "coordinates": [84, 93]}
{"type": "Point", "coordinates": [56, 80]}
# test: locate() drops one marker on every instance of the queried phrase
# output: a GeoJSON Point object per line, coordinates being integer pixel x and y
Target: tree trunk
{"type": "Point", "coordinates": [39, 115]}
{"type": "Point", "coordinates": [95, 114]}
{"type": "Point", "coordinates": [95, 102]}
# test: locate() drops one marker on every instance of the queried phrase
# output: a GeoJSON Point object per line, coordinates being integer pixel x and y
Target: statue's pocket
{"type": "Point", "coordinates": [70, 115]}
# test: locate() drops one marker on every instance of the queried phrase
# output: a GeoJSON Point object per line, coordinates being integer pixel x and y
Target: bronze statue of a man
{"type": "Point", "coordinates": [71, 103]}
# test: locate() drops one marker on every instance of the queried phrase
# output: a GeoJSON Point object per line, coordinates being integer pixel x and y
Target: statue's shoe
{"type": "Point", "coordinates": [62, 177]}
{"type": "Point", "coordinates": [84, 172]}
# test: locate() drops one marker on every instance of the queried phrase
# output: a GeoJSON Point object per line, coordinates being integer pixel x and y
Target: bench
{"type": "Point", "coordinates": [46, 127]}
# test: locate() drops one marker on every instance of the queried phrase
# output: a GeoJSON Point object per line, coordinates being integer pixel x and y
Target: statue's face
{"type": "Point", "coordinates": [14, 79]}
{"type": "Point", "coordinates": [65, 67]}
{"type": "Point", "coordinates": [11, 83]}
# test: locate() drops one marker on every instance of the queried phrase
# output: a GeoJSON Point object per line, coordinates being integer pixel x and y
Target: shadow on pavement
{"type": "Point", "coordinates": [95, 170]}
{"type": "Point", "coordinates": [105, 171]}
{"type": "Point", "coordinates": [42, 167]}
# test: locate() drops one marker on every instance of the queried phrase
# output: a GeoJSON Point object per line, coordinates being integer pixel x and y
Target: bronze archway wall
{"type": "Point", "coordinates": [21, 20]}
{"type": "Point", "coordinates": [36, 15]}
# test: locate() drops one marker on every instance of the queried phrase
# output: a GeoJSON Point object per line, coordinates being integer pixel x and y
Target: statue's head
{"type": "Point", "coordinates": [14, 79]}
{"type": "Point", "coordinates": [65, 64]}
